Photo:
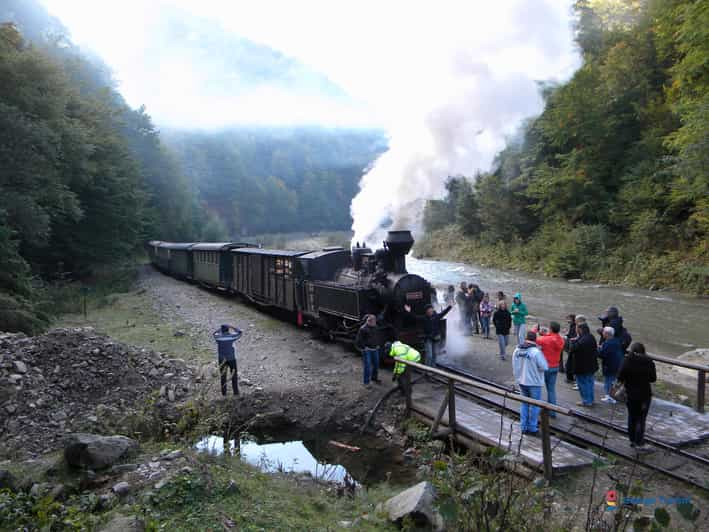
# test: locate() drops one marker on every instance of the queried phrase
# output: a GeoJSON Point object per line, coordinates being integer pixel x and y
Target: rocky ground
{"type": "Point", "coordinates": [71, 380]}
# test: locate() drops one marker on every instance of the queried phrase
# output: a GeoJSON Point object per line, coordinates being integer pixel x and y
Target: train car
{"type": "Point", "coordinates": [179, 259]}
{"type": "Point", "coordinates": [213, 263]}
{"type": "Point", "coordinates": [152, 249]}
{"type": "Point", "coordinates": [331, 289]}
{"type": "Point", "coordinates": [266, 276]}
{"type": "Point", "coordinates": [162, 256]}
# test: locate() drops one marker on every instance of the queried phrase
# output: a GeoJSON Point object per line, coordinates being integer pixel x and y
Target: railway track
{"type": "Point", "coordinates": [583, 429]}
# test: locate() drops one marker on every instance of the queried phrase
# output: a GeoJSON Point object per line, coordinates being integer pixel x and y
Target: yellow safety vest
{"type": "Point", "coordinates": [406, 352]}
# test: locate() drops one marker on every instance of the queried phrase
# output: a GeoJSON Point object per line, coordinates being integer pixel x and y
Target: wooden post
{"type": "Point", "coordinates": [406, 376]}
{"type": "Point", "coordinates": [701, 390]}
{"type": "Point", "coordinates": [546, 445]}
{"type": "Point", "coordinates": [439, 416]}
{"type": "Point", "coordinates": [451, 405]}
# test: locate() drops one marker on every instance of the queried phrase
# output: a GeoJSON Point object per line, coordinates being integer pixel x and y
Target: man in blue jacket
{"type": "Point", "coordinates": [225, 338]}
{"type": "Point", "coordinates": [529, 365]}
{"type": "Point", "coordinates": [611, 353]}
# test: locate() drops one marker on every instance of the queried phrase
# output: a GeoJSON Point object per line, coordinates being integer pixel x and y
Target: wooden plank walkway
{"type": "Point", "coordinates": [671, 423]}
{"type": "Point", "coordinates": [498, 430]}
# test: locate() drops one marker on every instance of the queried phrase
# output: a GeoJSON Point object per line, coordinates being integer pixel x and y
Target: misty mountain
{"type": "Point", "coordinates": [260, 180]}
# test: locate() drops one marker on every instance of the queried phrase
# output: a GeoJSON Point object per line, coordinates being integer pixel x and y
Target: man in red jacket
{"type": "Point", "coordinates": [551, 344]}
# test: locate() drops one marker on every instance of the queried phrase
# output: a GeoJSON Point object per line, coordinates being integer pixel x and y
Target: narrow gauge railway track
{"type": "Point", "coordinates": [593, 439]}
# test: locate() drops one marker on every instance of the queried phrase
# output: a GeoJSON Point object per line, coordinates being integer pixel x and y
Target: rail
{"type": "Point", "coordinates": [448, 403]}
{"type": "Point", "coordinates": [702, 372]}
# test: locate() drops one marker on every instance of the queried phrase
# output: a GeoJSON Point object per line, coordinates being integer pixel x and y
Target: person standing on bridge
{"type": "Point", "coordinates": [529, 365]}
{"type": "Point", "coordinates": [225, 338]}
{"type": "Point", "coordinates": [585, 352]}
{"type": "Point", "coordinates": [551, 344]}
{"type": "Point", "coordinates": [432, 339]}
{"type": "Point", "coordinates": [519, 317]}
{"type": "Point", "coordinates": [611, 353]}
{"type": "Point", "coordinates": [368, 341]}
{"type": "Point", "coordinates": [636, 373]}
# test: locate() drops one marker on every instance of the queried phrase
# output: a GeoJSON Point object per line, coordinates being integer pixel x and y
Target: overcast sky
{"type": "Point", "coordinates": [395, 59]}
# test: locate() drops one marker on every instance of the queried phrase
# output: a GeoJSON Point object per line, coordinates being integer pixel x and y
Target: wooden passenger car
{"type": "Point", "coordinates": [180, 259]}
{"type": "Point", "coordinates": [266, 276]}
{"type": "Point", "coordinates": [213, 263]}
{"type": "Point", "coordinates": [152, 249]}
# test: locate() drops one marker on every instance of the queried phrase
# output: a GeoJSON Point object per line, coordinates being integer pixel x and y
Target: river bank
{"type": "Point", "coordinates": [653, 272]}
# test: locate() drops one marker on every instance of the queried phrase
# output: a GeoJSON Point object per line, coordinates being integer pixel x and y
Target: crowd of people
{"type": "Point", "coordinates": [538, 355]}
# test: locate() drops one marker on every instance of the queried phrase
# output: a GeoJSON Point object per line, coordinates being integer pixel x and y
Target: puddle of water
{"type": "Point", "coordinates": [371, 464]}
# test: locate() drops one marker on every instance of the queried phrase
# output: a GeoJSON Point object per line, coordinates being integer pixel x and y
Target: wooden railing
{"type": "Point", "coordinates": [448, 404]}
{"type": "Point", "coordinates": [701, 370]}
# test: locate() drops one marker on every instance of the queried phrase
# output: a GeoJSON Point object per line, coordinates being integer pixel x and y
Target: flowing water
{"type": "Point", "coordinates": [666, 322]}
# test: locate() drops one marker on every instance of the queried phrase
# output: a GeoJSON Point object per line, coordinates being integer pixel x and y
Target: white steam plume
{"type": "Point", "coordinates": [474, 93]}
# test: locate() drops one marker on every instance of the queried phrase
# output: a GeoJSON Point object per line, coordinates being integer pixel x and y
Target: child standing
{"type": "Point", "coordinates": [486, 309]}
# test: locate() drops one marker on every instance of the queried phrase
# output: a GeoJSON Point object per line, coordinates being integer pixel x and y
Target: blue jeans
{"type": "Point", "coordinates": [550, 382]}
{"type": "Point", "coordinates": [485, 323]}
{"type": "Point", "coordinates": [520, 332]}
{"type": "Point", "coordinates": [502, 340]}
{"type": "Point", "coordinates": [528, 414]}
{"type": "Point", "coordinates": [370, 358]}
{"type": "Point", "coordinates": [608, 382]}
{"type": "Point", "coordinates": [586, 384]}
{"type": "Point", "coordinates": [432, 349]}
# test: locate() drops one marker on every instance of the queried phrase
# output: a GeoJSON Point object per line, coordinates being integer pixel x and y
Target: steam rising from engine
{"type": "Point", "coordinates": [487, 86]}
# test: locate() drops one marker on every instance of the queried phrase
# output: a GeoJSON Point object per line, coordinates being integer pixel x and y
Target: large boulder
{"type": "Point", "coordinates": [96, 452]}
{"type": "Point", "coordinates": [415, 502]}
{"type": "Point", "coordinates": [123, 523]}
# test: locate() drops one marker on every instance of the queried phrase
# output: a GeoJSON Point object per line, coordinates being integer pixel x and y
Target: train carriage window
{"type": "Point", "coordinates": [279, 266]}
{"type": "Point", "coordinates": [287, 267]}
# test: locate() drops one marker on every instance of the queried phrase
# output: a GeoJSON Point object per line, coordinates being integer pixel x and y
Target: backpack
{"type": "Point", "coordinates": [625, 339]}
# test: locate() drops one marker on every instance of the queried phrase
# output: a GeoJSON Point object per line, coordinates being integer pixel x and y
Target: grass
{"type": "Point", "coordinates": [130, 318]}
{"type": "Point", "coordinates": [225, 493]}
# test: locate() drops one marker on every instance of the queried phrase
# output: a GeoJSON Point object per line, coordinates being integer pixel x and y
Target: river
{"type": "Point", "coordinates": [667, 323]}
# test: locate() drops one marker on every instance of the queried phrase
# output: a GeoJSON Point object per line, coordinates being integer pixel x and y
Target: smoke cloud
{"type": "Point", "coordinates": [478, 90]}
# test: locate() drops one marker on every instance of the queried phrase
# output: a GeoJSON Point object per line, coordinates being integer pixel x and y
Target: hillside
{"type": "Point", "coordinates": [611, 181]}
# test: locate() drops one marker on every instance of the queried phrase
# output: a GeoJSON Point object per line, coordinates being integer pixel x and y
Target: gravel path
{"type": "Point", "coordinates": [313, 381]}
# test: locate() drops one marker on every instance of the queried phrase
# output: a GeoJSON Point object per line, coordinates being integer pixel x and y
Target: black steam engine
{"type": "Point", "coordinates": [331, 289]}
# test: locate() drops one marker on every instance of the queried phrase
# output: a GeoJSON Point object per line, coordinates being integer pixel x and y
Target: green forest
{"type": "Point", "coordinates": [611, 181]}
{"type": "Point", "coordinates": [85, 180]}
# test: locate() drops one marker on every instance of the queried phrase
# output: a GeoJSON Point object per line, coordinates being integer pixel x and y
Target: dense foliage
{"type": "Point", "coordinates": [267, 180]}
{"type": "Point", "coordinates": [611, 180]}
{"type": "Point", "coordinates": [85, 179]}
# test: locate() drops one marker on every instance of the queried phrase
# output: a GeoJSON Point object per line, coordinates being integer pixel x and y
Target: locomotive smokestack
{"type": "Point", "coordinates": [399, 243]}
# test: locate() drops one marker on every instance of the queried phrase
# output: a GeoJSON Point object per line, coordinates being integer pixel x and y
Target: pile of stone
{"type": "Point", "coordinates": [71, 380]}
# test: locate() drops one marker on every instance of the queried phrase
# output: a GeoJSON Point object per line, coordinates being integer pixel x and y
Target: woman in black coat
{"type": "Point", "coordinates": [585, 352]}
{"type": "Point", "coordinates": [636, 373]}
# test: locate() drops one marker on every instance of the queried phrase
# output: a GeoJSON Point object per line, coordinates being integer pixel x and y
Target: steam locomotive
{"type": "Point", "coordinates": [330, 290]}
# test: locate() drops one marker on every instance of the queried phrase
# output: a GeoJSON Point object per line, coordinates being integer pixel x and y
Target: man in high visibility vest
{"type": "Point", "coordinates": [401, 350]}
